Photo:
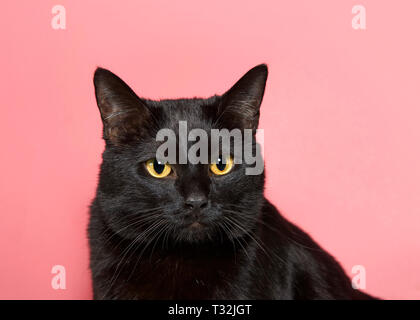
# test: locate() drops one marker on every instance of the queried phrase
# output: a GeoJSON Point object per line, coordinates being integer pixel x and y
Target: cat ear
{"type": "Point", "coordinates": [240, 106]}
{"type": "Point", "coordinates": [123, 113]}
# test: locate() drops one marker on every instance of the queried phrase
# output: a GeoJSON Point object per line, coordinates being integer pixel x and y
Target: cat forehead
{"type": "Point", "coordinates": [196, 112]}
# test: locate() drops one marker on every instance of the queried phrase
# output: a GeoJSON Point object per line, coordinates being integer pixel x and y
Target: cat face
{"type": "Point", "coordinates": [147, 200]}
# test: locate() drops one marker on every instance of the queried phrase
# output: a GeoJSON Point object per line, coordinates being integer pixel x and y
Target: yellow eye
{"type": "Point", "coordinates": [158, 169]}
{"type": "Point", "coordinates": [219, 168]}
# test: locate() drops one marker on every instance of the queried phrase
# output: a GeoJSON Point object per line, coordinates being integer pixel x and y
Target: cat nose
{"type": "Point", "coordinates": [196, 201]}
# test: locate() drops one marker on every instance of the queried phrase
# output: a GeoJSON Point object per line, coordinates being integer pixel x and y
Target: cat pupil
{"type": "Point", "coordinates": [221, 166]}
{"type": "Point", "coordinates": [158, 167]}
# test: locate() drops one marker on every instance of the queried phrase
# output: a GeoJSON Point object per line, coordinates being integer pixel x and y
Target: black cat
{"type": "Point", "coordinates": [194, 231]}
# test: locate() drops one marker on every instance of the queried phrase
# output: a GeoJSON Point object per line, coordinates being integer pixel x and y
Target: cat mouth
{"type": "Point", "coordinates": [193, 231]}
{"type": "Point", "coordinates": [196, 225]}
{"type": "Point", "coordinates": [193, 223]}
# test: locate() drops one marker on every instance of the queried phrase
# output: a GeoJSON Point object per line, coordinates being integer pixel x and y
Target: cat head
{"type": "Point", "coordinates": [143, 197]}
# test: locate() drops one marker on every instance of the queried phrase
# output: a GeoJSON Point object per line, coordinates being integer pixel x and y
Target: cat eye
{"type": "Point", "coordinates": [158, 169]}
{"type": "Point", "coordinates": [219, 168]}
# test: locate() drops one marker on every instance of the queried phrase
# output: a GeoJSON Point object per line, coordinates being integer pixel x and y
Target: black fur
{"type": "Point", "coordinates": [143, 240]}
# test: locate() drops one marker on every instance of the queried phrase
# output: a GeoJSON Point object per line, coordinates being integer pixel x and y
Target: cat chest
{"type": "Point", "coordinates": [185, 279]}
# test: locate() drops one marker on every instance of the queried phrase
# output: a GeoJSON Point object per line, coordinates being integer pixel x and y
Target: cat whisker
{"type": "Point", "coordinates": [248, 233]}
{"type": "Point", "coordinates": [239, 241]}
{"type": "Point", "coordinates": [257, 220]}
{"type": "Point", "coordinates": [258, 243]}
{"type": "Point", "coordinates": [151, 240]}
{"type": "Point", "coordinates": [133, 222]}
{"type": "Point", "coordinates": [140, 238]}
{"type": "Point", "coordinates": [141, 212]}
{"type": "Point", "coordinates": [140, 222]}
{"type": "Point", "coordinates": [230, 237]}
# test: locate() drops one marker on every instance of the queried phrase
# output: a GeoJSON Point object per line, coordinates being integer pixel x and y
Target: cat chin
{"type": "Point", "coordinates": [194, 233]}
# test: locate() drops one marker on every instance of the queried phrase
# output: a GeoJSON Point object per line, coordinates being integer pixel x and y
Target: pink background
{"type": "Point", "coordinates": [341, 118]}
